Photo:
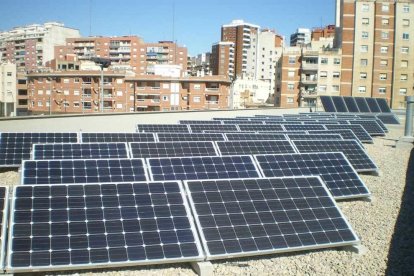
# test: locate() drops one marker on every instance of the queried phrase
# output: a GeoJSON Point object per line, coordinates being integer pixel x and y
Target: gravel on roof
{"type": "Point", "coordinates": [384, 225]}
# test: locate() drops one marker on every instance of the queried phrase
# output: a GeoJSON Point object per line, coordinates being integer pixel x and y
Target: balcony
{"type": "Point", "coordinates": [212, 89]}
{"type": "Point", "coordinates": [310, 66]}
{"type": "Point", "coordinates": [309, 79]}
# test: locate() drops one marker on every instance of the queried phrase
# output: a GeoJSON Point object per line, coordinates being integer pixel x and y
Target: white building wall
{"type": "Point", "coordinates": [7, 89]}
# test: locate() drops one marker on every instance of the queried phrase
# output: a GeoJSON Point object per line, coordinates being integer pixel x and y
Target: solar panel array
{"type": "Point", "coordinates": [350, 148]}
{"type": "Point", "coordinates": [80, 151]}
{"type": "Point", "coordinates": [254, 147]}
{"type": "Point", "coordinates": [354, 104]}
{"type": "Point", "coordinates": [4, 198]}
{"type": "Point", "coordinates": [261, 216]}
{"type": "Point", "coordinates": [358, 130]}
{"type": "Point", "coordinates": [371, 126]}
{"type": "Point", "coordinates": [95, 225]}
{"type": "Point", "coordinates": [15, 146]}
{"type": "Point", "coordinates": [172, 149]}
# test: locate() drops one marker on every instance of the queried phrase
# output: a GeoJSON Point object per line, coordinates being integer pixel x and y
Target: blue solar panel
{"type": "Point", "coordinates": [4, 214]}
{"type": "Point", "coordinates": [351, 104]}
{"type": "Point", "coordinates": [111, 137]}
{"type": "Point", "coordinates": [362, 104]}
{"type": "Point", "coordinates": [166, 137]}
{"type": "Point", "coordinates": [162, 128]}
{"type": "Point", "coordinates": [383, 105]}
{"type": "Point", "coordinates": [254, 136]}
{"type": "Point", "coordinates": [258, 127]}
{"type": "Point", "coordinates": [340, 105]}
{"type": "Point", "coordinates": [254, 147]}
{"type": "Point", "coordinates": [172, 149]}
{"type": "Point", "coordinates": [328, 104]}
{"type": "Point", "coordinates": [290, 127]}
{"type": "Point", "coordinates": [216, 128]}
{"type": "Point", "coordinates": [358, 130]}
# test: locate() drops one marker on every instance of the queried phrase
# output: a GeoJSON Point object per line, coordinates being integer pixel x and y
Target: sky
{"type": "Point", "coordinates": [197, 24]}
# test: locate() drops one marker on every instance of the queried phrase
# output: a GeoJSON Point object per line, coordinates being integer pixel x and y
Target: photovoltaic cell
{"type": "Point", "coordinates": [165, 137]}
{"type": "Point", "coordinates": [358, 130]}
{"type": "Point", "coordinates": [4, 198]}
{"type": "Point", "coordinates": [162, 128]}
{"type": "Point", "coordinates": [290, 127]}
{"type": "Point", "coordinates": [80, 151]}
{"type": "Point", "coordinates": [216, 128]}
{"type": "Point", "coordinates": [172, 149]}
{"type": "Point", "coordinates": [254, 147]}
{"type": "Point", "coordinates": [328, 104]}
{"type": "Point", "coordinates": [191, 168]}
{"type": "Point", "coordinates": [82, 171]}
{"type": "Point", "coordinates": [15, 146]}
{"type": "Point", "coordinates": [243, 217]}
{"type": "Point", "coordinates": [254, 136]}
{"type": "Point", "coordinates": [106, 137]}
{"type": "Point", "coordinates": [335, 170]}
{"type": "Point", "coordinates": [350, 148]}
{"type": "Point", "coordinates": [258, 127]}
{"type": "Point", "coordinates": [383, 105]}
{"type": "Point", "coordinates": [96, 225]}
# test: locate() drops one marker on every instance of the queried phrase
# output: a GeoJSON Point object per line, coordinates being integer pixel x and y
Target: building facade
{"type": "Point", "coordinates": [377, 41]}
{"type": "Point", "coordinates": [7, 89]}
{"type": "Point", "coordinates": [301, 37]}
{"type": "Point", "coordinates": [222, 59]}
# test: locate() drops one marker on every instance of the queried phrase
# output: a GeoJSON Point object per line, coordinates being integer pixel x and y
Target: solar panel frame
{"type": "Point", "coordinates": [154, 128]}
{"type": "Point", "coordinates": [98, 137]}
{"type": "Point", "coordinates": [41, 168]}
{"type": "Point", "coordinates": [383, 105]}
{"type": "Point", "coordinates": [109, 264]}
{"type": "Point", "coordinates": [195, 161]}
{"type": "Point", "coordinates": [251, 147]}
{"type": "Point", "coordinates": [327, 103]}
{"type": "Point", "coordinates": [210, 256]}
{"type": "Point", "coordinates": [344, 175]}
{"type": "Point", "coordinates": [170, 137]}
{"type": "Point", "coordinates": [356, 159]}
{"type": "Point", "coordinates": [4, 224]}
{"type": "Point", "coordinates": [42, 147]}
{"type": "Point", "coordinates": [179, 148]}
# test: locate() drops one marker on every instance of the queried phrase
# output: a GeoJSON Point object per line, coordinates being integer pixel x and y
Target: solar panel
{"type": "Point", "coordinates": [80, 151]}
{"type": "Point", "coordinates": [358, 130]}
{"type": "Point", "coordinates": [335, 170]}
{"type": "Point", "coordinates": [199, 122]}
{"type": "Point", "coordinates": [242, 217]}
{"type": "Point", "coordinates": [242, 122]}
{"type": "Point", "coordinates": [100, 225]}
{"type": "Point", "coordinates": [105, 137]}
{"type": "Point", "coordinates": [351, 149]}
{"type": "Point", "coordinates": [165, 137]}
{"type": "Point", "coordinates": [290, 127]}
{"type": "Point", "coordinates": [371, 126]}
{"type": "Point", "coordinates": [15, 146]}
{"type": "Point", "coordinates": [314, 136]}
{"type": "Point", "coordinates": [254, 147]}
{"type": "Point", "coordinates": [172, 149]}
{"type": "Point", "coordinates": [254, 136]}
{"type": "Point", "coordinates": [204, 167]}
{"type": "Point", "coordinates": [321, 122]}
{"type": "Point", "coordinates": [345, 133]}
{"type": "Point", "coordinates": [374, 119]}
{"type": "Point", "coordinates": [260, 127]}
{"type": "Point", "coordinates": [388, 119]}
{"type": "Point", "coordinates": [216, 128]}
{"type": "Point", "coordinates": [362, 104]}
{"type": "Point", "coordinates": [383, 105]}
{"type": "Point", "coordinates": [373, 105]}
{"type": "Point", "coordinates": [82, 171]}
{"type": "Point", "coordinates": [340, 105]}
{"type": "Point", "coordinates": [162, 128]}
{"type": "Point", "coordinates": [327, 103]}
{"type": "Point", "coordinates": [4, 208]}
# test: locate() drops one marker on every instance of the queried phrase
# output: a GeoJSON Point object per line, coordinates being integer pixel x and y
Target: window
{"type": "Point", "coordinates": [362, 89]}
{"type": "Point", "coordinates": [40, 92]}
{"type": "Point", "coordinates": [291, 74]}
{"type": "Point", "coordinates": [383, 76]}
{"type": "Point", "coordinates": [404, 63]}
{"type": "Point", "coordinates": [40, 103]}
{"type": "Point", "coordinates": [196, 99]}
{"type": "Point", "coordinates": [290, 86]}
{"type": "Point", "coordinates": [66, 92]}
{"type": "Point", "coordinates": [384, 35]}
{"type": "Point", "coordinates": [364, 35]}
{"type": "Point", "coordinates": [382, 90]}
{"type": "Point", "coordinates": [385, 8]}
{"type": "Point", "coordinates": [119, 106]}
{"type": "Point", "coordinates": [384, 62]}
{"type": "Point", "coordinates": [323, 74]}
{"type": "Point", "coordinates": [47, 92]}
{"type": "Point", "coordinates": [406, 8]}
{"type": "Point", "coordinates": [76, 104]}
{"type": "Point", "coordinates": [384, 49]}
{"type": "Point", "coordinates": [337, 61]}
{"type": "Point", "coordinates": [385, 21]}
{"type": "Point", "coordinates": [322, 88]}
{"type": "Point", "coordinates": [363, 76]}
{"type": "Point", "coordinates": [404, 50]}
{"type": "Point", "coordinates": [119, 81]}
{"type": "Point", "coordinates": [289, 99]}
{"type": "Point", "coordinates": [335, 88]}
{"type": "Point", "coordinates": [165, 98]}
{"type": "Point", "coordinates": [336, 75]}
{"type": "Point", "coordinates": [76, 80]}
{"type": "Point", "coordinates": [403, 77]}
{"type": "Point", "coordinates": [406, 22]}
{"type": "Point", "coordinates": [39, 80]}
{"type": "Point", "coordinates": [119, 93]}
{"type": "Point", "coordinates": [403, 91]}
{"type": "Point", "coordinates": [365, 7]}
{"type": "Point", "coordinates": [47, 104]}
{"type": "Point", "coordinates": [364, 48]}
{"type": "Point", "coordinates": [76, 92]}
{"type": "Point", "coordinates": [365, 21]}
{"type": "Point", "coordinates": [292, 60]}
{"type": "Point", "coordinates": [9, 74]}
{"type": "Point", "coordinates": [406, 36]}
{"type": "Point", "coordinates": [197, 86]}
{"type": "Point", "coordinates": [65, 80]}
{"type": "Point", "coordinates": [364, 62]}
{"type": "Point", "coordinates": [324, 60]}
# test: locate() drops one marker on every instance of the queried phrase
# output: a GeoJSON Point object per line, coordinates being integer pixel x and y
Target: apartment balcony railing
{"type": "Point", "coordinates": [310, 66]}
{"type": "Point", "coordinates": [212, 89]}
{"type": "Point", "coordinates": [309, 80]}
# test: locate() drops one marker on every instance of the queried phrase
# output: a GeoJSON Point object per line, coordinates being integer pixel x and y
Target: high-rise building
{"type": "Point", "coordinates": [222, 59]}
{"type": "Point", "coordinates": [32, 46]}
{"type": "Point", "coordinates": [302, 36]}
{"type": "Point", "coordinates": [377, 41]}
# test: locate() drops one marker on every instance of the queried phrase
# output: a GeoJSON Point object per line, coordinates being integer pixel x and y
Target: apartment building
{"type": "Point", "coordinates": [323, 32]}
{"type": "Point", "coordinates": [222, 59]}
{"type": "Point", "coordinates": [32, 46]}
{"type": "Point", "coordinates": [248, 92]}
{"type": "Point", "coordinates": [80, 92]}
{"type": "Point", "coordinates": [7, 89]}
{"type": "Point", "coordinates": [199, 65]}
{"type": "Point", "coordinates": [301, 37]}
{"type": "Point", "coordinates": [376, 37]}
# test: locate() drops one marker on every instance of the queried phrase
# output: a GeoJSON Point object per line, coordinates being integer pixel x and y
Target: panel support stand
{"type": "Point", "coordinates": [203, 268]}
{"type": "Point", "coordinates": [356, 248]}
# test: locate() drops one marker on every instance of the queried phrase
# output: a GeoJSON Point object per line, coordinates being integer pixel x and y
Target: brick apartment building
{"type": "Point", "coordinates": [377, 41]}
